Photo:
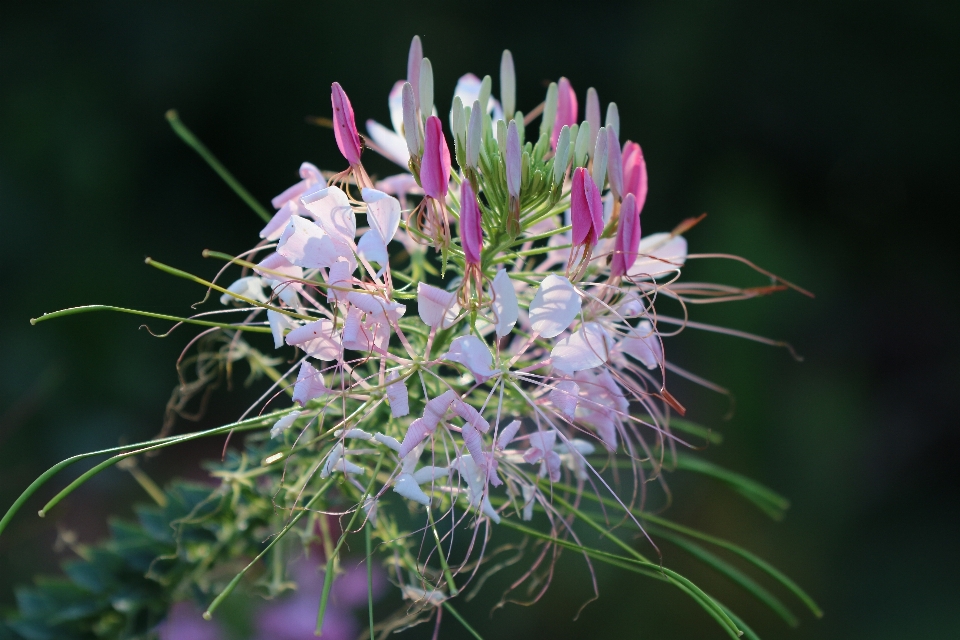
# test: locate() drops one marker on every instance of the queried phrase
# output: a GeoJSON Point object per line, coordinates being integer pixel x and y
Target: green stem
{"type": "Point", "coordinates": [443, 560]}
{"type": "Point", "coordinates": [328, 576]}
{"type": "Point", "coordinates": [466, 625]}
{"type": "Point", "coordinates": [194, 143]}
{"type": "Point", "coordinates": [159, 316]}
{"type": "Point", "coordinates": [236, 579]}
{"type": "Point", "coordinates": [366, 537]}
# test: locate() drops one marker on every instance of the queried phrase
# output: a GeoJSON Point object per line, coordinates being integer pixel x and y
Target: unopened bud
{"type": "Point", "coordinates": [562, 157]}
{"type": "Point", "coordinates": [582, 149]}
{"type": "Point", "coordinates": [600, 159]}
{"type": "Point", "coordinates": [413, 67]}
{"type": "Point", "coordinates": [486, 86]}
{"type": "Point", "coordinates": [549, 109]}
{"type": "Point", "coordinates": [614, 163]}
{"type": "Point", "coordinates": [593, 114]}
{"type": "Point", "coordinates": [474, 135]}
{"type": "Point", "coordinates": [613, 119]}
{"type": "Point", "coordinates": [513, 160]}
{"type": "Point", "coordinates": [508, 83]}
{"type": "Point", "coordinates": [426, 88]}
{"type": "Point", "coordinates": [411, 127]}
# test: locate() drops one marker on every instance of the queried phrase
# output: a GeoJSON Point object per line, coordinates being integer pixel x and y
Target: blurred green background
{"type": "Point", "coordinates": [820, 137]}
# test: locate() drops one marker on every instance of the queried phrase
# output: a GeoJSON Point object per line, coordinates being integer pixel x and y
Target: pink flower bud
{"type": "Point", "coordinates": [628, 237]}
{"type": "Point", "coordinates": [344, 125]}
{"type": "Point", "coordinates": [635, 173]}
{"type": "Point", "coordinates": [513, 153]}
{"type": "Point", "coordinates": [586, 209]}
{"type": "Point", "coordinates": [614, 163]}
{"type": "Point", "coordinates": [566, 109]}
{"type": "Point", "coordinates": [435, 169]}
{"type": "Point", "coordinates": [471, 235]}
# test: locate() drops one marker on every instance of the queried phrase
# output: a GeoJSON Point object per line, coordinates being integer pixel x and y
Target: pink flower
{"type": "Point", "coordinates": [435, 169]}
{"type": "Point", "coordinates": [634, 173]}
{"type": "Point", "coordinates": [566, 109]}
{"type": "Point", "coordinates": [471, 235]}
{"type": "Point", "coordinates": [628, 237]}
{"type": "Point", "coordinates": [345, 126]}
{"type": "Point", "coordinates": [586, 209]}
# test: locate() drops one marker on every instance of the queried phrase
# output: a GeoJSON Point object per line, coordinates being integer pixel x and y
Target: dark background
{"type": "Point", "coordinates": [821, 138]}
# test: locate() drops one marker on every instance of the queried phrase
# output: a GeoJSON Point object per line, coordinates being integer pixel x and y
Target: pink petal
{"type": "Point", "coordinates": [309, 385]}
{"type": "Point", "coordinates": [507, 434]}
{"type": "Point", "coordinates": [564, 397]}
{"type": "Point", "coordinates": [628, 237]}
{"type": "Point", "coordinates": [659, 254]}
{"type": "Point", "coordinates": [505, 307]}
{"type": "Point", "coordinates": [614, 164]}
{"type": "Point", "coordinates": [393, 145]}
{"type": "Point", "coordinates": [333, 212]}
{"type": "Point", "coordinates": [436, 408]}
{"type": "Point", "coordinates": [643, 344]}
{"type": "Point", "coordinates": [437, 308]}
{"type": "Point", "coordinates": [635, 173]}
{"type": "Point", "coordinates": [586, 209]}
{"type": "Point", "coordinates": [374, 304]}
{"type": "Point", "coordinates": [471, 415]}
{"type": "Point", "coordinates": [398, 396]}
{"type": "Point", "coordinates": [383, 213]}
{"type": "Point", "coordinates": [339, 277]}
{"type": "Point", "coordinates": [471, 352]}
{"type": "Point", "coordinates": [344, 125]}
{"type": "Point", "coordinates": [473, 441]}
{"type": "Point", "coordinates": [435, 168]}
{"type": "Point", "coordinates": [306, 245]}
{"type": "Point", "coordinates": [471, 234]}
{"type": "Point", "coordinates": [587, 348]}
{"type": "Point", "coordinates": [416, 433]}
{"type": "Point", "coordinates": [555, 305]}
{"type": "Point", "coordinates": [318, 339]}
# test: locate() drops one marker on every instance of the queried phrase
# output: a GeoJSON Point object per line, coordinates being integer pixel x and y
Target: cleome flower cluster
{"type": "Point", "coordinates": [471, 342]}
{"type": "Point", "coordinates": [536, 345]}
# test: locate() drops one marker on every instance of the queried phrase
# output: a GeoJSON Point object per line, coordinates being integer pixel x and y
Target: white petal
{"type": "Point", "coordinates": [473, 353]}
{"type": "Point", "coordinates": [373, 251]}
{"type": "Point", "coordinates": [306, 244]}
{"type": "Point", "coordinates": [339, 277]}
{"type": "Point", "coordinates": [388, 441]}
{"type": "Point", "coordinates": [643, 344]}
{"type": "Point", "coordinates": [543, 440]}
{"type": "Point", "coordinates": [333, 212]}
{"type": "Point", "coordinates": [248, 287]}
{"type": "Point", "coordinates": [395, 102]}
{"type": "Point", "coordinates": [406, 486]}
{"type": "Point", "coordinates": [284, 423]}
{"type": "Point", "coordinates": [356, 434]}
{"type": "Point", "coordinates": [505, 306]}
{"type": "Point", "coordinates": [436, 306]}
{"type": "Point", "coordinates": [554, 307]}
{"type": "Point", "coordinates": [630, 306]}
{"type": "Point", "coordinates": [376, 305]}
{"type": "Point", "coordinates": [332, 459]}
{"type": "Point", "coordinates": [383, 212]}
{"type": "Point", "coordinates": [659, 255]}
{"type": "Point", "coordinates": [317, 339]}
{"type": "Point", "coordinates": [429, 474]}
{"type": "Point", "coordinates": [347, 467]}
{"type": "Point", "coordinates": [278, 324]}
{"type": "Point", "coordinates": [587, 348]}
{"type": "Point", "coordinates": [394, 146]}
